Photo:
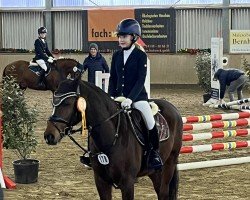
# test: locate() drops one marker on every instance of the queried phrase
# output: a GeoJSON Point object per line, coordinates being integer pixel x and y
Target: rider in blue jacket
{"type": "Point", "coordinates": [235, 79]}
{"type": "Point", "coordinates": [42, 52]}
{"type": "Point", "coordinates": [127, 78]}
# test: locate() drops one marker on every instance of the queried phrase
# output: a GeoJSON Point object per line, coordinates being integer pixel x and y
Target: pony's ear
{"type": "Point", "coordinates": [78, 76]}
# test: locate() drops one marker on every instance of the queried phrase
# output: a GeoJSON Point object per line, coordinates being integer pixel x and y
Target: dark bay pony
{"type": "Point", "coordinates": [111, 134]}
{"type": "Point", "coordinates": [26, 78]}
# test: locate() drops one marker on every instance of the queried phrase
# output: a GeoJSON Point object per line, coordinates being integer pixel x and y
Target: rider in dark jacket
{"type": "Point", "coordinates": [233, 78]}
{"type": "Point", "coordinates": [42, 52]}
{"type": "Point", "coordinates": [94, 62]}
{"type": "Point", "coordinates": [127, 78]}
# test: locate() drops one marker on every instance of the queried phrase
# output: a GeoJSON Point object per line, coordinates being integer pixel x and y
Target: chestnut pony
{"type": "Point", "coordinates": [111, 134]}
{"type": "Point", "coordinates": [26, 78]}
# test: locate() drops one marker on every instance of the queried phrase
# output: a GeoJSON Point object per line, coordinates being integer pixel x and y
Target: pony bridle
{"type": "Point", "coordinates": [54, 119]}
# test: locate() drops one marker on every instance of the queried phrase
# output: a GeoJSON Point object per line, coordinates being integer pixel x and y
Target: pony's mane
{"type": "Point", "coordinates": [71, 85]}
{"type": "Point", "coordinates": [98, 91]}
{"type": "Point", "coordinates": [67, 59]}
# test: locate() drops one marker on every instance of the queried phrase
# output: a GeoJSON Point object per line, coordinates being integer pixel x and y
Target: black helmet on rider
{"type": "Point", "coordinates": [129, 27]}
{"type": "Point", "coordinates": [42, 29]}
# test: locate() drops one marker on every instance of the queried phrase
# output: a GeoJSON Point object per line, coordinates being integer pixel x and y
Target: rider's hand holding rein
{"type": "Point", "coordinates": [50, 60]}
{"type": "Point", "coordinates": [126, 104]}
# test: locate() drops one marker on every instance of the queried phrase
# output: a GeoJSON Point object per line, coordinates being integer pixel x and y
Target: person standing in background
{"type": "Point", "coordinates": [94, 62]}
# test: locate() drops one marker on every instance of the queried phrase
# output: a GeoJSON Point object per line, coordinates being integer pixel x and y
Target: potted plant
{"type": "Point", "coordinates": [203, 71]}
{"type": "Point", "coordinates": [18, 130]}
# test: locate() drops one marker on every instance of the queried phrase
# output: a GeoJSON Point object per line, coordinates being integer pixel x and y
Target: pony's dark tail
{"type": "Point", "coordinates": [173, 186]}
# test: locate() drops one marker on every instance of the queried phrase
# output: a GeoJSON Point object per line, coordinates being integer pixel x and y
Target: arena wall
{"type": "Point", "coordinates": [165, 69]}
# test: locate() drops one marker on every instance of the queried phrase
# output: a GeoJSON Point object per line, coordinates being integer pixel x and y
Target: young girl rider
{"type": "Point", "coordinates": [42, 52]}
{"type": "Point", "coordinates": [127, 78]}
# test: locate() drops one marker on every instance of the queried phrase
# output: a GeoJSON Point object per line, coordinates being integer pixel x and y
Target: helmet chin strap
{"type": "Point", "coordinates": [127, 48]}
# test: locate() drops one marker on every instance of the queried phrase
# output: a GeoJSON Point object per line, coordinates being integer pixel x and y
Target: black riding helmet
{"type": "Point", "coordinates": [42, 29]}
{"type": "Point", "coordinates": [129, 27]}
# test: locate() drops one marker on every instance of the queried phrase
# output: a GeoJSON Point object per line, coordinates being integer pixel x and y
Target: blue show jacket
{"type": "Point", "coordinates": [42, 50]}
{"type": "Point", "coordinates": [128, 80]}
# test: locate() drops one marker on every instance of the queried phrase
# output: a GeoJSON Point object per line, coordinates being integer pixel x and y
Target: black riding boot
{"type": "Point", "coordinates": [41, 78]}
{"type": "Point", "coordinates": [154, 159]}
{"type": "Point", "coordinates": [84, 159]}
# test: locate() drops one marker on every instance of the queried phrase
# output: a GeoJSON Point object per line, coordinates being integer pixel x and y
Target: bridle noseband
{"type": "Point", "coordinates": [54, 119]}
{"type": "Point", "coordinates": [68, 130]}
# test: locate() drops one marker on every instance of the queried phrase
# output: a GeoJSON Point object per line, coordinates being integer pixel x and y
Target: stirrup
{"type": "Point", "coordinates": [85, 160]}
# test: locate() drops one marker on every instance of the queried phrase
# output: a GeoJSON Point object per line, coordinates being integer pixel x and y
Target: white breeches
{"type": "Point", "coordinates": [42, 64]}
{"type": "Point", "coordinates": [145, 109]}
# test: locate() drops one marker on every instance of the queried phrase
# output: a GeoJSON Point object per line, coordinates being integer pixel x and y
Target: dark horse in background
{"type": "Point", "coordinates": [111, 133]}
{"type": "Point", "coordinates": [27, 78]}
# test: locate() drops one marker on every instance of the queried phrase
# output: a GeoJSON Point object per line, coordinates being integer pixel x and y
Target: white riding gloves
{"type": "Point", "coordinates": [50, 60]}
{"type": "Point", "coordinates": [126, 103]}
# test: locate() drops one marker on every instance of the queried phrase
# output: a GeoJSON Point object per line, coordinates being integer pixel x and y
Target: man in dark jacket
{"type": "Point", "coordinates": [94, 62]}
{"type": "Point", "coordinates": [233, 78]}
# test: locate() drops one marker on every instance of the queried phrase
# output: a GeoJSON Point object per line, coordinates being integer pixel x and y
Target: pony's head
{"type": "Point", "coordinates": [65, 113]}
{"type": "Point", "coordinates": [70, 67]}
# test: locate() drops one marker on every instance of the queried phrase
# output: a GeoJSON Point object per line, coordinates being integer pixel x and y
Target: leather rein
{"type": "Point", "coordinates": [68, 130]}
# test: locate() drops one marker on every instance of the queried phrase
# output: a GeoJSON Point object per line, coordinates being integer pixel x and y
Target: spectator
{"type": "Point", "coordinates": [94, 62]}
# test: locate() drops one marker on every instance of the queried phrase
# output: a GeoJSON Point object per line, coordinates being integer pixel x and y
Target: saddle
{"type": "Point", "coordinates": [139, 126]}
{"type": "Point", "coordinates": [35, 68]}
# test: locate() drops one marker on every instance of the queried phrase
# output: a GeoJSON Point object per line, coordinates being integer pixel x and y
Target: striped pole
{"type": "Point", "coordinates": [239, 107]}
{"type": "Point", "coordinates": [215, 117]}
{"type": "Point", "coordinates": [217, 124]}
{"type": "Point", "coordinates": [226, 105]}
{"type": "Point", "coordinates": [214, 147]}
{"type": "Point", "coordinates": [215, 134]}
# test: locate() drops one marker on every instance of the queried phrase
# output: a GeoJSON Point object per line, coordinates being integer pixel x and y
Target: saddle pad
{"type": "Point", "coordinates": [37, 70]}
{"type": "Point", "coordinates": [162, 126]}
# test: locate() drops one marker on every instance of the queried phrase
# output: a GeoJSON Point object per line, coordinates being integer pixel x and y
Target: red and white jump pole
{"type": "Point", "coordinates": [217, 124]}
{"type": "Point", "coordinates": [215, 134]}
{"type": "Point", "coordinates": [214, 147]}
{"type": "Point", "coordinates": [5, 181]}
{"type": "Point", "coordinates": [215, 117]}
{"type": "Point", "coordinates": [1, 153]}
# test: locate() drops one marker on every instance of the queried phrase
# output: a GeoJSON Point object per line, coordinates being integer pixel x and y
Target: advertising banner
{"type": "Point", "coordinates": [216, 63]}
{"type": "Point", "coordinates": [158, 28]}
{"type": "Point", "coordinates": [239, 41]}
{"type": "Point", "coordinates": [100, 27]}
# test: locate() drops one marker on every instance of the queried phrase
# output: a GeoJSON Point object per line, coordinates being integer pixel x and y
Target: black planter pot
{"type": "Point", "coordinates": [206, 97]}
{"type": "Point", "coordinates": [26, 171]}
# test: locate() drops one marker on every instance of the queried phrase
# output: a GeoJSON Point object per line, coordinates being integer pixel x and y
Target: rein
{"type": "Point", "coordinates": [68, 130]}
